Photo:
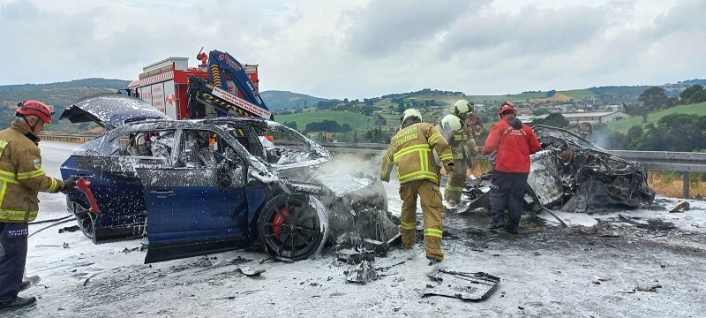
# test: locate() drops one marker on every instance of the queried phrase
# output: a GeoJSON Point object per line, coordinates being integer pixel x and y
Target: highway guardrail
{"type": "Point", "coordinates": [684, 162]}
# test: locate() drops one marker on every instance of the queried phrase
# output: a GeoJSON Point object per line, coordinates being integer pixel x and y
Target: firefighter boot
{"type": "Point", "coordinates": [408, 238]}
{"type": "Point", "coordinates": [18, 302]}
{"type": "Point", "coordinates": [432, 245]}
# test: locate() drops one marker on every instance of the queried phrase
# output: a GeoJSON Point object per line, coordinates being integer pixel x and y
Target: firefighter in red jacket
{"type": "Point", "coordinates": [21, 177]}
{"type": "Point", "coordinates": [514, 143]}
{"type": "Point", "coordinates": [411, 149]}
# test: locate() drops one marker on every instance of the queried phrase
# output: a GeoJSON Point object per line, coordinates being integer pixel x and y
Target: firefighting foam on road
{"type": "Point", "coordinates": [600, 265]}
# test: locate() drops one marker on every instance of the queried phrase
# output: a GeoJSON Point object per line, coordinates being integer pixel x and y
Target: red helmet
{"type": "Point", "coordinates": [505, 107]}
{"type": "Point", "coordinates": [35, 107]}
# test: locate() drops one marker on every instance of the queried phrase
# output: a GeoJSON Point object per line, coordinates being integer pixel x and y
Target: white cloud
{"type": "Point", "coordinates": [358, 49]}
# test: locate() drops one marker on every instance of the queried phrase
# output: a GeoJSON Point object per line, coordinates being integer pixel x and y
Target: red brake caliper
{"type": "Point", "coordinates": [278, 220]}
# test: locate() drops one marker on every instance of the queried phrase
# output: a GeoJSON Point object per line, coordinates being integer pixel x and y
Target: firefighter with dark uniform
{"type": "Point", "coordinates": [411, 150]}
{"type": "Point", "coordinates": [21, 177]}
{"type": "Point", "coordinates": [460, 137]}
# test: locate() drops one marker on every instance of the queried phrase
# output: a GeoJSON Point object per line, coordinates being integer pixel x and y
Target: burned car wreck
{"type": "Point", "coordinates": [194, 187]}
{"type": "Point", "coordinates": [571, 174]}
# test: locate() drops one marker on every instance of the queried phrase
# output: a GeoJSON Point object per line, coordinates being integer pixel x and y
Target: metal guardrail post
{"type": "Point", "coordinates": [686, 184]}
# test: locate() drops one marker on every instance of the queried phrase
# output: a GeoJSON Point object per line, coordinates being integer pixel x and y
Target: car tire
{"type": "Point", "coordinates": [292, 226]}
{"type": "Point", "coordinates": [84, 218]}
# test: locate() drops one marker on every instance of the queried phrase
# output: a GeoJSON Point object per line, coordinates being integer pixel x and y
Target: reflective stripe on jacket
{"type": "Point", "coordinates": [411, 150]}
{"type": "Point", "coordinates": [21, 175]}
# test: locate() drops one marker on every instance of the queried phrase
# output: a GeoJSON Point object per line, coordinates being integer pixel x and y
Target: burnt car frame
{"type": "Point", "coordinates": [194, 187]}
{"type": "Point", "coordinates": [572, 174]}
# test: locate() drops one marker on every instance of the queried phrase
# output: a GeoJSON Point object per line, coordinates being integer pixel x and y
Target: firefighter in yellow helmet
{"type": "Point", "coordinates": [460, 138]}
{"type": "Point", "coordinates": [411, 150]}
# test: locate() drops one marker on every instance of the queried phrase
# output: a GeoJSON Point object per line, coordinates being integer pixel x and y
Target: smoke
{"type": "Point", "coordinates": [352, 164]}
{"type": "Point", "coordinates": [602, 140]}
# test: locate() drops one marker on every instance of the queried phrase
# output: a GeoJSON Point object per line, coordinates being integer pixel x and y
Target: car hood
{"type": "Point", "coordinates": [111, 111]}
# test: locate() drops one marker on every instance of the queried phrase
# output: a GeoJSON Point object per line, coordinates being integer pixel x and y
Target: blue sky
{"type": "Point", "coordinates": [359, 49]}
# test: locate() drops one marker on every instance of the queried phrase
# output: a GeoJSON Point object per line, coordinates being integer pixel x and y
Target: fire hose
{"type": "Point", "coordinates": [82, 185]}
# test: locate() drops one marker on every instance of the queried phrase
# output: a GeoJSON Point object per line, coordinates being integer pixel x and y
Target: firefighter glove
{"type": "Point", "coordinates": [69, 186]}
{"type": "Point", "coordinates": [449, 166]}
{"type": "Point", "coordinates": [384, 178]}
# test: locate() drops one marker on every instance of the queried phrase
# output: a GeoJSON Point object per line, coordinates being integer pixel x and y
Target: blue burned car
{"type": "Point", "coordinates": [194, 187]}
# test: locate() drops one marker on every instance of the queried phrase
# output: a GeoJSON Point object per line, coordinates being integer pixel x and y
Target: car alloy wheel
{"type": "Point", "coordinates": [289, 226]}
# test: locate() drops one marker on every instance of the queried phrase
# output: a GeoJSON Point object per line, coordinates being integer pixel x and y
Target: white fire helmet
{"type": "Point", "coordinates": [451, 123]}
{"type": "Point", "coordinates": [462, 106]}
{"type": "Point", "coordinates": [411, 113]}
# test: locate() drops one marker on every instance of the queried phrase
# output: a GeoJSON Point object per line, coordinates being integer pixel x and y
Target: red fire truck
{"type": "Point", "coordinates": [219, 86]}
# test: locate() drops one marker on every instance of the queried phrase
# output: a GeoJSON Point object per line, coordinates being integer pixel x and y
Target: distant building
{"type": "Point", "coordinates": [595, 117]}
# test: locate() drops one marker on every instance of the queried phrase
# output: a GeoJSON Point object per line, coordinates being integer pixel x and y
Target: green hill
{"type": "Point", "coordinates": [56, 95]}
{"type": "Point", "coordinates": [279, 100]}
{"type": "Point", "coordinates": [357, 121]}
{"type": "Point", "coordinates": [625, 124]}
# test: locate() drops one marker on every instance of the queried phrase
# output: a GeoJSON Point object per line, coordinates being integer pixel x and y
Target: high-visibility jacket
{"type": "Point", "coordinates": [21, 175]}
{"type": "Point", "coordinates": [411, 150]}
{"type": "Point", "coordinates": [461, 141]}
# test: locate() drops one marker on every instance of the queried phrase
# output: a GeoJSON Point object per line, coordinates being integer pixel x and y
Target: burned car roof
{"type": "Point", "coordinates": [194, 187]}
{"type": "Point", "coordinates": [574, 175]}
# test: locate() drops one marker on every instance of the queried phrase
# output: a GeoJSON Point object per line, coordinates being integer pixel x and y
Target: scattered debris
{"type": "Point", "coordinates": [466, 286]}
{"type": "Point", "coordinates": [69, 229]}
{"type": "Point", "coordinates": [361, 273]}
{"type": "Point", "coordinates": [85, 282]}
{"type": "Point", "coordinates": [249, 271]}
{"type": "Point", "coordinates": [241, 259]}
{"type": "Point", "coordinates": [390, 266]}
{"type": "Point", "coordinates": [355, 256]}
{"type": "Point", "coordinates": [65, 245]}
{"type": "Point", "coordinates": [681, 207]}
{"type": "Point", "coordinates": [652, 289]}
{"type": "Point", "coordinates": [610, 234]}
{"type": "Point", "coordinates": [128, 250]}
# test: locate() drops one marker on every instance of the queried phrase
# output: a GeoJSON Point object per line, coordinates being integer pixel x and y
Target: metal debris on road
{"type": "Point", "coordinates": [361, 273]}
{"type": "Point", "coordinates": [681, 207]}
{"type": "Point", "coordinates": [466, 286]}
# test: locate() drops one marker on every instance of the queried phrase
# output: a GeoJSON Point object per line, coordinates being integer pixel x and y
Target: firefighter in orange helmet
{"type": "Point", "coordinates": [21, 177]}
{"type": "Point", "coordinates": [411, 149]}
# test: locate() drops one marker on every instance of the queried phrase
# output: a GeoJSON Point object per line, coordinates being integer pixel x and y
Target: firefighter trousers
{"type": "Point", "coordinates": [13, 256]}
{"type": "Point", "coordinates": [507, 190]}
{"type": "Point", "coordinates": [428, 192]}
{"type": "Point", "coordinates": [456, 181]}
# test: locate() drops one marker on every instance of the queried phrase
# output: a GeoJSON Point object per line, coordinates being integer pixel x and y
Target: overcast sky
{"type": "Point", "coordinates": [358, 49]}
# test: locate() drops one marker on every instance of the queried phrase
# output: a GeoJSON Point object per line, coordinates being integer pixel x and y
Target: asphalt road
{"type": "Point", "coordinates": [652, 267]}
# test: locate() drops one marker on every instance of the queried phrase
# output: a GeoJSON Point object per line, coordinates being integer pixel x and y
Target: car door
{"type": "Point", "coordinates": [115, 185]}
{"type": "Point", "coordinates": [197, 204]}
